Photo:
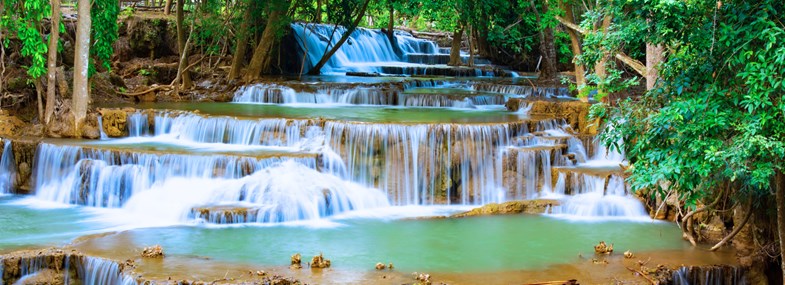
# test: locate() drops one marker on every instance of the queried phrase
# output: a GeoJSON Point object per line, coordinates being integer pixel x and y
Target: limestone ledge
{"type": "Point", "coordinates": [537, 206]}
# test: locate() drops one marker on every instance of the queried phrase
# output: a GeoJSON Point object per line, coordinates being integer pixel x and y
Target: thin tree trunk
{"type": "Point", "coordinates": [181, 38]}
{"type": "Point", "coordinates": [575, 44]}
{"type": "Point", "coordinates": [654, 56]}
{"type": "Point", "coordinates": [455, 48]}
{"type": "Point", "coordinates": [391, 24]}
{"type": "Point", "coordinates": [38, 91]}
{"type": "Point", "coordinates": [318, 17]}
{"type": "Point", "coordinates": [241, 45]}
{"type": "Point", "coordinates": [262, 56]}
{"type": "Point", "coordinates": [471, 45]}
{"type": "Point", "coordinates": [51, 69]}
{"type": "Point", "coordinates": [779, 181]}
{"type": "Point", "coordinates": [599, 68]}
{"type": "Point", "coordinates": [547, 46]}
{"type": "Point", "coordinates": [168, 7]}
{"type": "Point", "coordinates": [326, 57]}
{"type": "Point", "coordinates": [81, 95]}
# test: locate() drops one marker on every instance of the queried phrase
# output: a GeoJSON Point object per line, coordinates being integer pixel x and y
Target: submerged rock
{"type": "Point", "coordinates": [155, 251]}
{"type": "Point", "coordinates": [320, 262]}
{"type": "Point", "coordinates": [538, 206]}
{"type": "Point", "coordinates": [296, 261]}
{"type": "Point", "coordinates": [603, 248]}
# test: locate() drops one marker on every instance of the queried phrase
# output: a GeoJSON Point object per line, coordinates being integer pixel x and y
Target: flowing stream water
{"type": "Point", "coordinates": [348, 169]}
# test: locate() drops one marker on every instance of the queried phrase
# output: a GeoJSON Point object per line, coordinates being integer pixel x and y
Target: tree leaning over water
{"type": "Point", "coordinates": [714, 124]}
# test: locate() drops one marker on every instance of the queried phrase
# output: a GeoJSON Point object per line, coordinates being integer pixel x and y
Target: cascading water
{"type": "Point", "coordinates": [359, 95]}
{"type": "Point", "coordinates": [74, 269]}
{"type": "Point", "coordinates": [107, 178]}
{"type": "Point", "coordinates": [364, 51]}
{"type": "Point", "coordinates": [598, 187]}
{"type": "Point", "coordinates": [7, 169]}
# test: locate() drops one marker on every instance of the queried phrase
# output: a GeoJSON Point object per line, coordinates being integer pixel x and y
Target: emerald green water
{"type": "Point", "coordinates": [371, 114]}
{"type": "Point", "coordinates": [480, 244]}
{"type": "Point", "coordinates": [483, 244]}
{"type": "Point", "coordinates": [22, 225]}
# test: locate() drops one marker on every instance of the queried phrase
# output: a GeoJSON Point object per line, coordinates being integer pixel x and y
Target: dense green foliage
{"type": "Point", "coordinates": [718, 114]}
{"type": "Point", "coordinates": [23, 17]}
{"type": "Point", "coordinates": [104, 31]}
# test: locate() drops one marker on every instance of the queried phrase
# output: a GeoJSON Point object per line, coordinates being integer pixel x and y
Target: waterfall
{"type": "Point", "coordinates": [7, 169]}
{"type": "Point", "coordinates": [357, 95]}
{"type": "Point", "coordinates": [424, 164]}
{"type": "Point", "coordinates": [138, 125]}
{"type": "Point", "coordinates": [102, 135]}
{"type": "Point", "coordinates": [522, 90]}
{"type": "Point", "coordinates": [74, 268]}
{"type": "Point", "coordinates": [598, 187]}
{"type": "Point", "coordinates": [709, 275]}
{"type": "Point", "coordinates": [108, 178]}
{"type": "Point", "coordinates": [362, 52]}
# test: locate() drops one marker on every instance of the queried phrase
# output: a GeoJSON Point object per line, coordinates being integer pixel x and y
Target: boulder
{"type": "Point", "coordinates": [114, 121]}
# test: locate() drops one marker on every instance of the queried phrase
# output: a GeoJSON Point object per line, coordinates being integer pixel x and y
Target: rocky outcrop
{"type": "Point", "coordinates": [574, 112]}
{"type": "Point", "coordinates": [538, 206]}
{"type": "Point", "coordinates": [53, 266]}
{"type": "Point", "coordinates": [10, 125]}
{"type": "Point", "coordinates": [24, 149]}
{"type": "Point", "coordinates": [114, 121]}
{"type": "Point", "coordinates": [225, 214]}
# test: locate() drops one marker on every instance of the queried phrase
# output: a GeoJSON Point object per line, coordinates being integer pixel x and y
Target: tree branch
{"type": "Point", "coordinates": [639, 67]}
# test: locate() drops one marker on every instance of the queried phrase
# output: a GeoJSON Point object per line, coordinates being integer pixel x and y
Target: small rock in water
{"type": "Point", "coordinates": [423, 278]}
{"type": "Point", "coordinates": [296, 261]}
{"type": "Point", "coordinates": [390, 266]}
{"type": "Point", "coordinates": [628, 254]}
{"type": "Point", "coordinates": [320, 262]}
{"type": "Point", "coordinates": [380, 266]}
{"type": "Point", "coordinates": [603, 248]}
{"type": "Point", "coordinates": [155, 251]}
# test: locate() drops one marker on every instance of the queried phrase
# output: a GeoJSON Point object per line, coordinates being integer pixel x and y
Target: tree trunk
{"type": "Point", "coordinates": [654, 56]}
{"type": "Point", "coordinates": [241, 45]}
{"type": "Point", "coordinates": [779, 181]}
{"type": "Point", "coordinates": [547, 46]}
{"type": "Point", "coordinates": [455, 48]}
{"type": "Point", "coordinates": [482, 43]}
{"type": "Point", "coordinates": [81, 94]}
{"type": "Point", "coordinates": [316, 70]}
{"type": "Point", "coordinates": [471, 45]}
{"type": "Point", "coordinates": [318, 17]}
{"type": "Point", "coordinates": [51, 61]}
{"type": "Point", "coordinates": [168, 7]}
{"type": "Point", "coordinates": [186, 76]}
{"type": "Point", "coordinates": [262, 56]}
{"type": "Point", "coordinates": [575, 44]}
{"type": "Point", "coordinates": [391, 24]}
{"type": "Point", "coordinates": [38, 91]}
{"type": "Point", "coordinates": [599, 68]}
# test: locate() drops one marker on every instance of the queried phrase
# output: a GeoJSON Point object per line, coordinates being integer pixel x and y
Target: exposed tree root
{"type": "Point", "coordinates": [736, 229]}
{"type": "Point", "coordinates": [642, 275]}
{"type": "Point", "coordinates": [156, 88]}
